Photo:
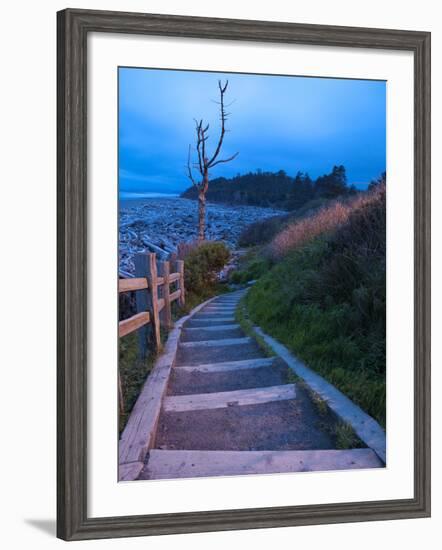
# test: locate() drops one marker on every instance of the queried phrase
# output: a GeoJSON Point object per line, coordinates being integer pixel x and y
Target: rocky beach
{"type": "Point", "coordinates": [159, 224]}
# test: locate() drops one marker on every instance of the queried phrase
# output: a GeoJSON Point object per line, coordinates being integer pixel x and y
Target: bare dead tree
{"type": "Point", "coordinates": [206, 162]}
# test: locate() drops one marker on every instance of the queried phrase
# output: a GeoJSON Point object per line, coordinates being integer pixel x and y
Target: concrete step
{"type": "Point", "coordinates": [168, 464]}
{"type": "Point", "coordinates": [255, 396]}
{"type": "Point", "coordinates": [197, 382]}
{"type": "Point", "coordinates": [221, 305]}
{"type": "Point", "coordinates": [198, 355]}
{"type": "Point", "coordinates": [219, 309]}
{"type": "Point", "coordinates": [220, 333]}
{"type": "Point", "coordinates": [216, 352]}
{"type": "Point", "coordinates": [288, 425]}
{"type": "Point", "coordinates": [217, 313]}
{"type": "Point", "coordinates": [217, 305]}
{"type": "Point", "coordinates": [215, 328]}
{"type": "Point", "coordinates": [213, 314]}
{"type": "Point", "coordinates": [226, 366]}
{"type": "Point", "coordinates": [230, 296]}
{"type": "Point", "coordinates": [215, 320]}
{"type": "Point", "coordinates": [217, 342]}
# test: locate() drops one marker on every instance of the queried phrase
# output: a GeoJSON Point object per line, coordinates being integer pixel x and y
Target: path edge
{"type": "Point", "coordinates": [366, 427]}
{"type": "Point", "coordinates": [139, 433]}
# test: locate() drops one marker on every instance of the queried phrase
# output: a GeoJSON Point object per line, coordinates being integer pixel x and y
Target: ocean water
{"type": "Point", "coordinates": [127, 196]}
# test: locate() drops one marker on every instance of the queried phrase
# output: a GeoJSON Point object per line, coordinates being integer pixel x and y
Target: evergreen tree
{"type": "Point", "coordinates": [380, 180]}
{"type": "Point", "coordinates": [302, 191]}
{"type": "Point", "coordinates": [332, 185]}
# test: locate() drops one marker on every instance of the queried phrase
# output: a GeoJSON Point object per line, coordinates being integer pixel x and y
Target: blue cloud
{"type": "Point", "coordinates": [276, 122]}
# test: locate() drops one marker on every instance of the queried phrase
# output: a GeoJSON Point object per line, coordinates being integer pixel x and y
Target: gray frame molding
{"type": "Point", "coordinates": [73, 26]}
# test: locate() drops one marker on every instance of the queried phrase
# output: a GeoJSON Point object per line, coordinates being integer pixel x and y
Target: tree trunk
{"type": "Point", "coordinates": [201, 216]}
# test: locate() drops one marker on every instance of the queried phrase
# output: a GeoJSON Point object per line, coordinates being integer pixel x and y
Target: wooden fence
{"type": "Point", "coordinates": [156, 289]}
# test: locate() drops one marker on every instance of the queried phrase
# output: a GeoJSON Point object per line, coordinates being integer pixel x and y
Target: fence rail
{"type": "Point", "coordinates": [154, 299]}
{"type": "Point", "coordinates": [129, 285]}
{"type": "Point", "coordinates": [133, 323]}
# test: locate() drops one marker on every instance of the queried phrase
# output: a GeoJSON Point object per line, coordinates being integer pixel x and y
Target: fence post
{"type": "Point", "coordinates": [165, 313]}
{"type": "Point", "coordinates": [180, 270]}
{"type": "Point", "coordinates": [152, 293]}
{"type": "Point", "coordinates": [145, 266]}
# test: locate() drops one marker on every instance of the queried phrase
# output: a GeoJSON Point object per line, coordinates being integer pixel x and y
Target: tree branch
{"type": "Point", "coordinates": [222, 91]}
{"type": "Point", "coordinates": [189, 169]}
{"type": "Point", "coordinates": [225, 160]}
{"type": "Point", "coordinates": [198, 126]}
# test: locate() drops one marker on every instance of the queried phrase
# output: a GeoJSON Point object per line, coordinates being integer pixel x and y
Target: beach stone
{"type": "Point", "coordinates": [165, 222]}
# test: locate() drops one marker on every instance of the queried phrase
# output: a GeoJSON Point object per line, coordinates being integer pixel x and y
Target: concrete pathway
{"type": "Point", "coordinates": [232, 410]}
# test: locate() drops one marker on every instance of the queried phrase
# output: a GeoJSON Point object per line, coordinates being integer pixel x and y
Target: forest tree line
{"type": "Point", "coordinates": [276, 189]}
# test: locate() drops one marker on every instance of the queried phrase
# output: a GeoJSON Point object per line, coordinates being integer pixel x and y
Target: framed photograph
{"type": "Point", "coordinates": [243, 274]}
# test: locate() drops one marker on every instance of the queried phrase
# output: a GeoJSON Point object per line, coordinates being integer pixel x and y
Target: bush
{"type": "Point", "coordinates": [202, 263]}
{"type": "Point", "coordinates": [251, 270]}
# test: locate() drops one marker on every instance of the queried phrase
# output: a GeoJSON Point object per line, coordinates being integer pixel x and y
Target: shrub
{"type": "Point", "coordinates": [251, 270]}
{"type": "Point", "coordinates": [202, 263]}
{"type": "Point", "coordinates": [185, 248]}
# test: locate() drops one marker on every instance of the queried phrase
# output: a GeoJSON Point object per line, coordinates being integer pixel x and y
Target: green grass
{"type": "Point", "coordinates": [346, 437]}
{"type": "Point", "coordinates": [133, 373]}
{"type": "Point", "coordinates": [251, 267]}
{"type": "Point", "coordinates": [320, 404]}
{"type": "Point", "coordinates": [246, 324]}
{"type": "Point", "coordinates": [332, 339]}
{"type": "Point", "coordinates": [326, 302]}
{"type": "Point", "coordinates": [292, 377]}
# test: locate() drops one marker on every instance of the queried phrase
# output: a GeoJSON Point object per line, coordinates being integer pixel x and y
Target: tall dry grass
{"type": "Point", "coordinates": [324, 221]}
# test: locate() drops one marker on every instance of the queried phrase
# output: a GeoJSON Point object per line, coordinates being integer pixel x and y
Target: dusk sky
{"type": "Point", "coordinates": [276, 123]}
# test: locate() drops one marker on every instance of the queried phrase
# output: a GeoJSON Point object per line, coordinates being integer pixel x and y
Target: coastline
{"type": "Point", "coordinates": [159, 224]}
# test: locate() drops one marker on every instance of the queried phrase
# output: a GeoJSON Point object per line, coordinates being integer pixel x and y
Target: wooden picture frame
{"type": "Point", "coordinates": [73, 28]}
